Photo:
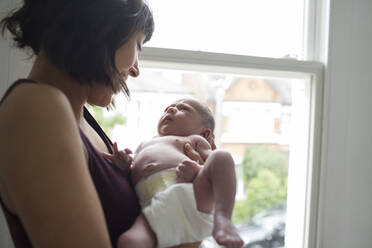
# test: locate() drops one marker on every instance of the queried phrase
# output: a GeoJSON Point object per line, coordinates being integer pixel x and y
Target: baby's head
{"type": "Point", "coordinates": [186, 117]}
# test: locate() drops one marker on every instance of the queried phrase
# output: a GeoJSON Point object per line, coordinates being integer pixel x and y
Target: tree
{"type": "Point", "coordinates": [265, 191]}
{"type": "Point", "coordinates": [106, 122]}
{"type": "Point", "coordinates": [258, 158]}
{"type": "Point", "coordinates": [265, 173]}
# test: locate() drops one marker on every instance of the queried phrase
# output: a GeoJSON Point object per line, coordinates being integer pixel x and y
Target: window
{"type": "Point", "coordinates": [267, 108]}
{"type": "Point", "coordinates": [266, 28]}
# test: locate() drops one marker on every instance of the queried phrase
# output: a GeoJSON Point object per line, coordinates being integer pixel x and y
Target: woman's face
{"type": "Point", "coordinates": [126, 62]}
{"type": "Point", "coordinates": [126, 57]}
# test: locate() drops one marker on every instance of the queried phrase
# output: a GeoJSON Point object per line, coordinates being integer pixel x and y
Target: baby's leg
{"type": "Point", "coordinates": [215, 186]}
{"type": "Point", "coordinates": [139, 235]}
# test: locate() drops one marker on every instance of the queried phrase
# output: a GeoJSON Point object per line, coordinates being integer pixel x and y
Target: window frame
{"type": "Point", "coordinates": [163, 58]}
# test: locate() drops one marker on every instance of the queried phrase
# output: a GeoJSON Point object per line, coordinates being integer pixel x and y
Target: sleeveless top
{"type": "Point", "coordinates": [116, 193]}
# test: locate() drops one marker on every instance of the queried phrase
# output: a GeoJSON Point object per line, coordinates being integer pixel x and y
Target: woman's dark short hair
{"type": "Point", "coordinates": [80, 36]}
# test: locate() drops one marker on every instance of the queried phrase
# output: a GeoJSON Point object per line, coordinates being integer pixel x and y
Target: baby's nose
{"type": "Point", "coordinates": [171, 110]}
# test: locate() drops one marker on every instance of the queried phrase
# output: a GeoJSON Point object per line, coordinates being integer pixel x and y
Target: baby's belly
{"type": "Point", "coordinates": [155, 158]}
{"type": "Point", "coordinates": [157, 182]}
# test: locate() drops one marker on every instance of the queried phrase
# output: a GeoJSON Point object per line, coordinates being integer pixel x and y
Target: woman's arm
{"type": "Point", "coordinates": [44, 171]}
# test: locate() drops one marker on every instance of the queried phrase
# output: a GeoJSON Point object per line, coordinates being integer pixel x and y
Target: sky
{"type": "Point", "coordinates": [265, 28]}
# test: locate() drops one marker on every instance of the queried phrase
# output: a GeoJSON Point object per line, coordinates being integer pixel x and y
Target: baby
{"type": "Point", "coordinates": [175, 211]}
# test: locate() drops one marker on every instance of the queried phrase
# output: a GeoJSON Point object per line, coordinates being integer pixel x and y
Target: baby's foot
{"type": "Point", "coordinates": [225, 233]}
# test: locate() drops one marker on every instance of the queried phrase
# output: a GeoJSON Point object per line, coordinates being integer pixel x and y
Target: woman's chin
{"type": "Point", "coordinates": [103, 104]}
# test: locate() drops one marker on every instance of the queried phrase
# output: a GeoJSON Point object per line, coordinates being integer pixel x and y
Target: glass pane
{"type": "Point", "coordinates": [266, 28]}
{"type": "Point", "coordinates": [261, 121]}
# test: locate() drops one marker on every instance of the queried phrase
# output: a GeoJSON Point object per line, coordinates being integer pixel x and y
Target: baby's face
{"type": "Point", "coordinates": [181, 119]}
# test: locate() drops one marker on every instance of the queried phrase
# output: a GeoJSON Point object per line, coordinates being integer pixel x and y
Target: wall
{"type": "Point", "coordinates": [8, 59]}
{"type": "Point", "coordinates": [5, 52]}
{"type": "Point", "coordinates": [346, 203]}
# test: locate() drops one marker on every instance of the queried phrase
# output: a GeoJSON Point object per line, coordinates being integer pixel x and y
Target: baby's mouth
{"type": "Point", "coordinates": [167, 118]}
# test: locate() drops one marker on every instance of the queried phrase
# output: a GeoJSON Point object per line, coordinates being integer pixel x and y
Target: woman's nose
{"type": "Point", "coordinates": [134, 70]}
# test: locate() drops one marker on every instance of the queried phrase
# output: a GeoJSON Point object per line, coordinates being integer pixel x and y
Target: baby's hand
{"type": "Point", "coordinates": [121, 159]}
{"type": "Point", "coordinates": [187, 171]}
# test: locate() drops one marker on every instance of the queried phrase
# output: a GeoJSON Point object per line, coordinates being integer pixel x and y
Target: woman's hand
{"type": "Point", "coordinates": [210, 140]}
{"type": "Point", "coordinates": [193, 154]}
{"type": "Point", "coordinates": [121, 159]}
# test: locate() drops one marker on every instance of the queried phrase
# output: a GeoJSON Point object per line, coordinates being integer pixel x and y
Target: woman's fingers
{"type": "Point", "coordinates": [210, 140]}
{"type": "Point", "coordinates": [192, 154]}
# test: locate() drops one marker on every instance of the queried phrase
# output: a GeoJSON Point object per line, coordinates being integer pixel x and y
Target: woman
{"type": "Point", "coordinates": [56, 189]}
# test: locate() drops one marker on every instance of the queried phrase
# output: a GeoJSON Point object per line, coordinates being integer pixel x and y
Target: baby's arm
{"type": "Point", "coordinates": [121, 159]}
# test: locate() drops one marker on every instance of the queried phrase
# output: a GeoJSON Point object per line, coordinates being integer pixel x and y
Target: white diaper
{"type": "Point", "coordinates": [173, 216]}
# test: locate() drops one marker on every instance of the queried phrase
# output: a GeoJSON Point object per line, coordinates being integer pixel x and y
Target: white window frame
{"type": "Point", "coordinates": [163, 58]}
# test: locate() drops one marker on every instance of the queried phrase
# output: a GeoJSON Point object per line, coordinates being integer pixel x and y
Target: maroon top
{"type": "Point", "coordinates": [116, 194]}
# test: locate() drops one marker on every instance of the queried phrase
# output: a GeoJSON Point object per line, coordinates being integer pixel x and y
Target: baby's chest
{"type": "Point", "coordinates": [179, 142]}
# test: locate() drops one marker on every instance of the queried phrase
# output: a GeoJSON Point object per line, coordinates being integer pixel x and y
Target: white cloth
{"type": "Point", "coordinates": [173, 216]}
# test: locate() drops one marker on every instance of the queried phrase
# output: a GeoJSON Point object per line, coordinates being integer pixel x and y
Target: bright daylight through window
{"type": "Point", "coordinates": [266, 108]}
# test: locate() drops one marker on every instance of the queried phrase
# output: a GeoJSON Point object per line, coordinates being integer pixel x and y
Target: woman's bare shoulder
{"type": "Point", "coordinates": [26, 96]}
{"type": "Point", "coordinates": [35, 103]}
{"type": "Point", "coordinates": [33, 117]}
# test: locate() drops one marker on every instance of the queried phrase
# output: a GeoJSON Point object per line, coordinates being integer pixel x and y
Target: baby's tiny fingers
{"type": "Point", "coordinates": [180, 168]}
{"type": "Point", "coordinates": [122, 154]}
{"type": "Point", "coordinates": [128, 151]}
{"type": "Point", "coordinates": [107, 155]}
{"type": "Point", "coordinates": [115, 146]}
{"type": "Point", "coordinates": [189, 163]}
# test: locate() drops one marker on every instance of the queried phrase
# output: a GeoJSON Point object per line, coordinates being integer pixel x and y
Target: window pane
{"type": "Point", "coordinates": [261, 121]}
{"type": "Point", "coordinates": [266, 28]}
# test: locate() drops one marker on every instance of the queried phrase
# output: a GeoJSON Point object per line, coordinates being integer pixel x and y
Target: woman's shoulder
{"type": "Point", "coordinates": [36, 113]}
{"type": "Point", "coordinates": [34, 93]}
{"type": "Point", "coordinates": [33, 101]}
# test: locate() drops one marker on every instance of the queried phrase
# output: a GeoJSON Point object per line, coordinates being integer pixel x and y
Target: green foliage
{"type": "Point", "coordinates": [264, 192]}
{"type": "Point", "coordinates": [106, 122]}
{"type": "Point", "coordinates": [258, 158]}
{"type": "Point", "coordinates": [240, 213]}
{"type": "Point", "coordinates": [265, 172]}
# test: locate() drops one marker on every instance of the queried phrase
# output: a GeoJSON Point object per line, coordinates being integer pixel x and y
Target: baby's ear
{"type": "Point", "coordinates": [206, 133]}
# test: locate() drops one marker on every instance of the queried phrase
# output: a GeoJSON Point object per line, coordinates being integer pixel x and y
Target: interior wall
{"type": "Point", "coordinates": [6, 75]}
{"type": "Point", "coordinates": [345, 192]}
{"type": "Point", "coordinates": [5, 240]}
